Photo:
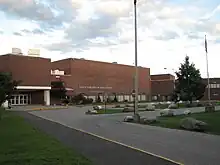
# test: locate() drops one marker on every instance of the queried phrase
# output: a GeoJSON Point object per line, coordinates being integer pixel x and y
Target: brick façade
{"type": "Point", "coordinates": [116, 78]}
{"type": "Point", "coordinates": [32, 71]}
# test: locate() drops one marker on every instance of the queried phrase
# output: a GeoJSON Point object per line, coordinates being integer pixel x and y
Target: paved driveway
{"type": "Point", "coordinates": [186, 147]}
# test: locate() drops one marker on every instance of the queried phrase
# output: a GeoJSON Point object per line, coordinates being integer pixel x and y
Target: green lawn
{"type": "Point", "coordinates": [213, 119]}
{"type": "Point", "coordinates": [112, 111]}
{"type": "Point", "coordinates": [21, 144]}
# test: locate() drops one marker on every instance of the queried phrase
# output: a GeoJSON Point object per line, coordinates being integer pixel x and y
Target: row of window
{"type": "Point", "coordinates": [214, 85]}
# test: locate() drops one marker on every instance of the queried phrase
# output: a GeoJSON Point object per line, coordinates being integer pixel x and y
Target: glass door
{"type": "Point", "coordinates": [21, 99]}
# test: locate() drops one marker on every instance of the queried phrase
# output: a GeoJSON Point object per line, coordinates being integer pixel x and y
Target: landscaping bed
{"type": "Point", "coordinates": [21, 144]}
{"type": "Point", "coordinates": [212, 119]}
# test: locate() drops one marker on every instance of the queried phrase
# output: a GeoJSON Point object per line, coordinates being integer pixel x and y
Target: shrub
{"type": "Point", "coordinates": [117, 106]}
{"type": "Point", "coordinates": [98, 100]}
{"type": "Point", "coordinates": [88, 101]}
{"type": "Point", "coordinates": [65, 101]}
{"type": "Point", "coordinates": [81, 99]}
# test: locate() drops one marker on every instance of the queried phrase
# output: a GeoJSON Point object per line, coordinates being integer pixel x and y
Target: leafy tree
{"type": "Point", "coordinates": [7, 86]}
{"type": "Point", "coordinates": [189, 83]}
{"type": "Point", "coordinates": [58, 89]}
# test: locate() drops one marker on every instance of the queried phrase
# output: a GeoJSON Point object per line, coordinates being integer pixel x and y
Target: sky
{"type": "Point", "coordinates": [103, 30]}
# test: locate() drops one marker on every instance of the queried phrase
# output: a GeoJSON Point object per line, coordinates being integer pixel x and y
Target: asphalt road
{"type": "Point", "coordinates": [186, 147]}
{"type": "Point", "coordinates": [99, 151]}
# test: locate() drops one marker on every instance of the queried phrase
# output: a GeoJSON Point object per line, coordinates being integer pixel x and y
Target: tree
{"type": "Point", "coordinates": [7, 86]}
{"type": "Point", "coordinates": [58, 89]}
{"type": "Point", "coordinates": [189, 83]}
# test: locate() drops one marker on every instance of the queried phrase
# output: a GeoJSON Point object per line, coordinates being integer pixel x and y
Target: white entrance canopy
{"type": "Point", "coordinates": [34, 87]}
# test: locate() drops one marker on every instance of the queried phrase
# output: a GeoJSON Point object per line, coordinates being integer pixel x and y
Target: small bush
{"type": "Point", "coordinates": [199, 105]}
{"type": "Point", "coordinates": [81, 99]}
{"type": "Point", "coordinates": [66, 101]}
{"type": "Point", "coordinates": [98, 100]}
{"type": "Point", "coordinates": [117, 106]}
{"type": "Point", "coordinates": [88, 101]}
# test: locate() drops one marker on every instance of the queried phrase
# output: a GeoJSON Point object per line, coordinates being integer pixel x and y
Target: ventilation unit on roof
{"type": "Point", "coordinates": [16, 51]}
{"type": "Point", "coordinates": [114, 62]}
{"type": "Point", "coordinates": [34, 52]}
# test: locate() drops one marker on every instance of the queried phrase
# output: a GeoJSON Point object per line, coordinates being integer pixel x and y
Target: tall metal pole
{"type": "Point", "coordinates": [207, 67]}
{"type": "Point", "coordinates": [136, 60]}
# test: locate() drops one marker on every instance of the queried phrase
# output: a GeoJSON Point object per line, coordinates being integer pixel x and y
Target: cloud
{"type": "Point", "coordinates": [167, 35]}
{"type": "Point", "coordinates": [50, 14]}
{"type": "Point", "coordinates": [25, 31]}
{"type": "Point", "coordinates": [38, 31]}
{"type": "Point", "coordinates": [17, 34]}
{"type": "Point", "coordinates": [94, 27]}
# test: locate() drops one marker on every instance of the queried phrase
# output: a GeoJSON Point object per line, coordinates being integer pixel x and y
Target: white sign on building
{"type": "Point", "coordinates": [57, 72]}
{"type": "Point", "coordinates": [94, 87]}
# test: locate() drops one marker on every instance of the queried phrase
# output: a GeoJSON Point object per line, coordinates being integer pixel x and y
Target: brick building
{"type": "Point", "coordinates": [34, 73]}
{"type": "Point", "coordinates": [92, 78]}
{"type": "Point", "coordinates": [162, 86]}
{"type": "Point", "coordinates": [95, 78]}
{"type": "Point", "coordinates": [214, 89]}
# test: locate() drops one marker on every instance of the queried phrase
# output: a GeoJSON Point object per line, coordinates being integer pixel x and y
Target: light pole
{"type": "Point", "coordinates": [136, 60]}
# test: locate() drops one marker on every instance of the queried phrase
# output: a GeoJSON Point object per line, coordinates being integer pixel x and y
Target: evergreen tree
{"type": "Point", "coordinates": [189, 83]}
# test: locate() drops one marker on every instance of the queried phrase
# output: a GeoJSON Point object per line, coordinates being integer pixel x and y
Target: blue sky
{"type": "Point", "coordinates": [103, 30]}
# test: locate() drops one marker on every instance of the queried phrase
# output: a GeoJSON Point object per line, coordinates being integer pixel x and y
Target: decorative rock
{"type": "Point", "coordinates": [97, 107]}
{"type": "Point", "coordinates": [148, 120]}
{"type": "Point", "coordinates": [167, 112]}
{"type": "Point", "coordinates": [150, 107]}
{"type": "Point", "coordinates": [92, 112]}
{"type": "Point", "coordinates": [128, 109]}
{"type": "Point", "coordinates": [128, 119]}
{"type": "Point", "coordinates": [192, 124]}
{"type": "Point", "coordinates": [173, 106]}
{"type": "Point", "coordinates": [187, 112]}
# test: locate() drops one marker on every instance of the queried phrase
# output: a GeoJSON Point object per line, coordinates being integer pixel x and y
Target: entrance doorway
{"type": "Point", "coordinates": [20, 99]}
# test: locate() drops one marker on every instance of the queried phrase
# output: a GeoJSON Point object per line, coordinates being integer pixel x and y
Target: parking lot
{"type": "Point", "coordinates": [178, 145]}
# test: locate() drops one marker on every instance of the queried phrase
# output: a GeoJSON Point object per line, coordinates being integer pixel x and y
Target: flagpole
{"type": "Point", "coordinates": [207, 68]}
{"type": "Point", "coordinates": [136, 60]}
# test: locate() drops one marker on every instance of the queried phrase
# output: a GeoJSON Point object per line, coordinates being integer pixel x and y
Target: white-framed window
{"type": "Point", "coordinates": [154, 98]}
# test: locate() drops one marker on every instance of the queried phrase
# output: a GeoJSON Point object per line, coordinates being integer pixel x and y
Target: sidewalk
{"type": "Point", "coordinates": [99, 151]}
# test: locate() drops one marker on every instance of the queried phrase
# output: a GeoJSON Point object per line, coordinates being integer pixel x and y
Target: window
{"type": "Point", "coordinates": [154, 98]}
{"type": "Point", "coordinates": [217, 85]}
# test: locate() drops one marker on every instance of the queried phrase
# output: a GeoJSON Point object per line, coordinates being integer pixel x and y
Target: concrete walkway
{"type": "Point", "coordinates": [186, 147]}
{"type": "Point", "coordinates": [100, 152]}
